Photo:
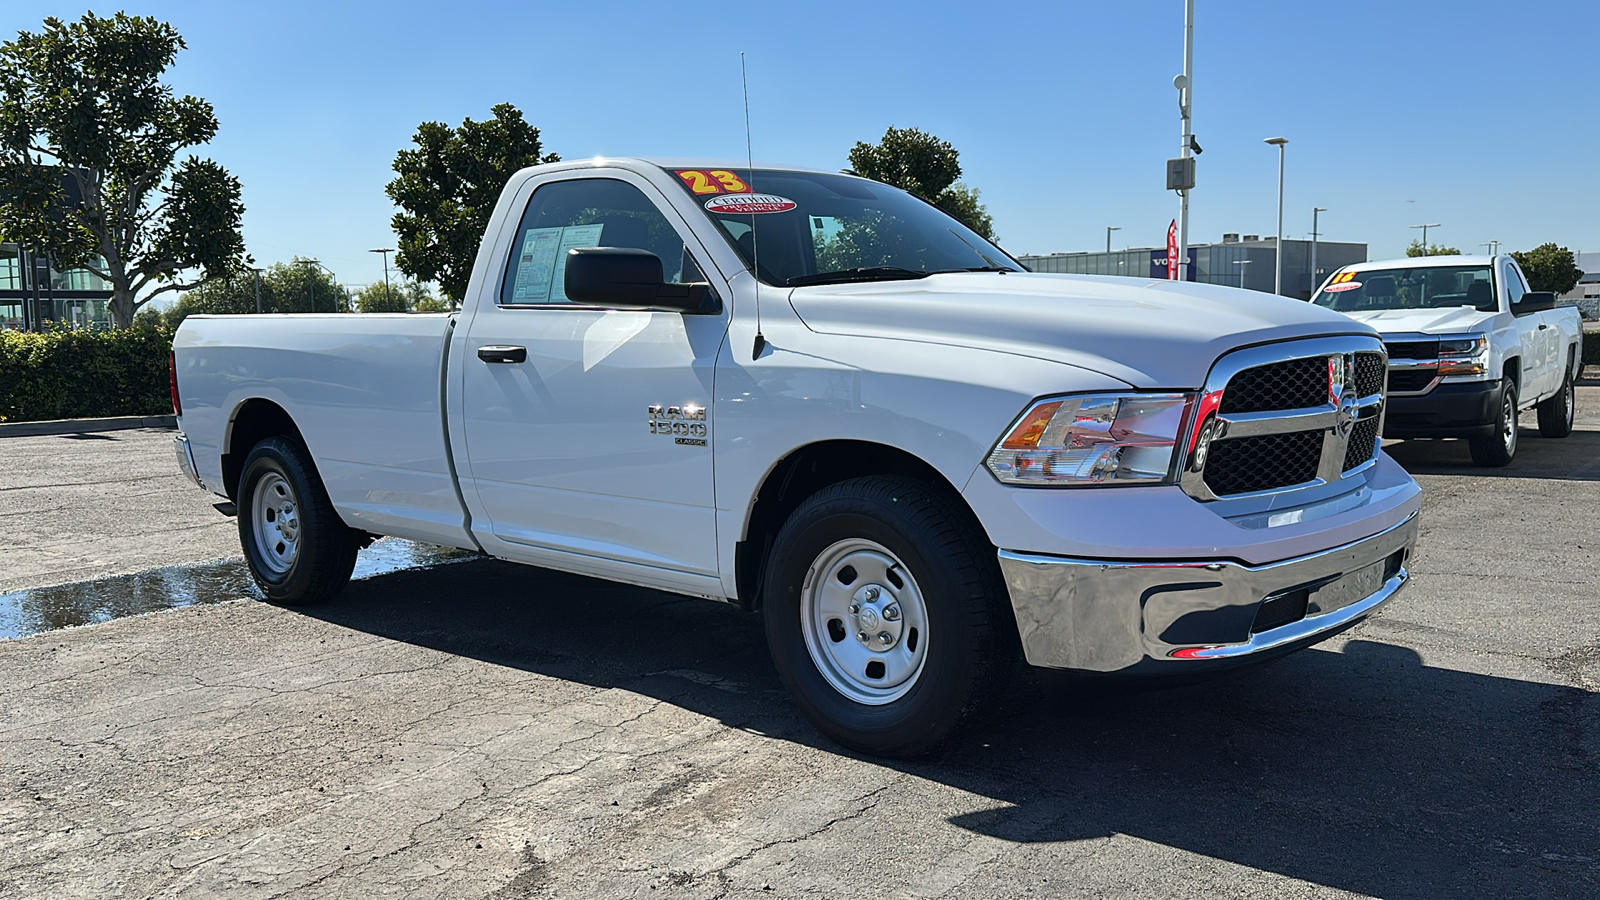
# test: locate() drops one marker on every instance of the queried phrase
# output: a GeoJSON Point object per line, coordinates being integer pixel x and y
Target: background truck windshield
{"type": "Point", "coordinates": [817, 228]}
{"type": "Point", "coordinates": [1415, 288]}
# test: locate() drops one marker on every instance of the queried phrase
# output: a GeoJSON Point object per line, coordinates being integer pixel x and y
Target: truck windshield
{"type": "Point", "coordinates": [1412, 288]}
{"type": "Point", "coordinates": [812, 228]}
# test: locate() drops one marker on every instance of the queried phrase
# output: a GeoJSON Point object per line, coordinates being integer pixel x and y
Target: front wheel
{"type": "Point", "coordinates": [1497, 449]}
{"type": "Point", "coordinates": [881, 606]}
{"type": "Point", "coordinates": [298, 548]}
{"type": "Point", "coordinates": [1555, 413]}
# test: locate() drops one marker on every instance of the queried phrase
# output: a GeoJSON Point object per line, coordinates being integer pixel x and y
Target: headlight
{"type": "Point", "coordinates": [1092, 439]}
{"type": "Point", "coordinates": [1464, 355]}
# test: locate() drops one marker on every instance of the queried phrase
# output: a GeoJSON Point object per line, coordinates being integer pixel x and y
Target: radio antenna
{"type": "Point", "coordinates": [750, 176]}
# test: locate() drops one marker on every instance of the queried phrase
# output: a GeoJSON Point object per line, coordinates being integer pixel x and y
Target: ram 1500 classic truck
{"type": "Point", "coordinates": [822, 398]}
{"type": "Point", "coordinates": [1469, 347]}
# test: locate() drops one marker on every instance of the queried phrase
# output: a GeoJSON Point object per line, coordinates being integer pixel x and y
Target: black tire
{"type": "Point", "coordinates": [316, 563]}
{"type": "Point", "coordinates": [1499, 448]}
{"type": "Point", "coordinates": [953, 575]}
{"type": "Point", "coordinates": [1556, 413]}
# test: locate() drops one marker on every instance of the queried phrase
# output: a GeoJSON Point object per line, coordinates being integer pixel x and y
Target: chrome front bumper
{"type": "Point", "coordinates": [1101, 616]}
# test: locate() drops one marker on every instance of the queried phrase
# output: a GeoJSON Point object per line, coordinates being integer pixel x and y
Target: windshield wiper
{"type": "Point", "coordinates": [863, 273]}
{"type": "Point", "coordinates": [981, 269]}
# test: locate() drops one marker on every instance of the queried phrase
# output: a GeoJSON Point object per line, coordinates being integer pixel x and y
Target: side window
{"type": "Point", "coordinates": [590, 212]}
{"type": "Point", "coordinates": [1513, 280]}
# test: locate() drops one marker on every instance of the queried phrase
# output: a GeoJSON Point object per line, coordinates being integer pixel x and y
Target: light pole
{"type": "Point", "coordinates": [385, 251]}
{"type": "Point", "coordinates": [1242, 262]}
{"type": "Point", "coordinates": [310, 287]}
{"type": "Point", "coordinates": [1314, 211]}
{"type": "Point", "coordinates": [1277, 251]}
{"type": "Point", "coordinates": [1185, 85]}
{"type": "Point", "coordinates": [258, 289]}
{"type": "Point", "coordinates": [1494, 247]}
{"type": "Point", "coordinates": [1109, 229]}
{"type": "Point", "coordinates": [1425, 234]}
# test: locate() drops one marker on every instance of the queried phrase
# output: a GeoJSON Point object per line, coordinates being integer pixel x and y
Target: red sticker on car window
{"type": "Point", "coordinates": [1342, 286]}
{"type": "Point", "coordinates": [745, 204]}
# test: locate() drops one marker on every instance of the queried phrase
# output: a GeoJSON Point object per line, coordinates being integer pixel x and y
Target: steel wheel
{"type": "Point", "coordinates": [275, 522]}
{"type": "Point", "coordinates": [1508, 422]}
{"type": "Point", "coordinates": [864, 622]}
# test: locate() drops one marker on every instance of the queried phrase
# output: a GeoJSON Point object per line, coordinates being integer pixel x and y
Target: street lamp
{"type": "Point", "coordinates": [310, 288]}
{"type": "Point", "coordinates": [385, 251]}
{"type": "Point", "coordinates": [1314, 211]}
{"type": "Point", "coordinates": [1277, 278]}
{"type": "Point", "coordinates": [258, 288]}
{"type": "Point", "coordinates": [1109, 229]}
{"type": "Point", "coordinates": [1425, 234]}
{"type": "Point", "coordinates": [1242, 262]}
{"type": "Point", "coordinates": [1494, 247]}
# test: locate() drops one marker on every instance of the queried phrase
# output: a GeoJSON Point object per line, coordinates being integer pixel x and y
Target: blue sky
{"type": "Point", "coordinates": [1480, 116]}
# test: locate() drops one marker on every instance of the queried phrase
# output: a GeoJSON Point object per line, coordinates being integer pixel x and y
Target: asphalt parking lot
{"type": "Point", "coordinates": [483, 730]}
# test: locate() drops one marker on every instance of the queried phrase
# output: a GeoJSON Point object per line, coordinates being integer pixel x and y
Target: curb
{"type": "Point", "coordinates": [84, 426]}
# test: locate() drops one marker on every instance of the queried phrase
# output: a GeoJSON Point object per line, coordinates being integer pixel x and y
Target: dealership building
{"type": "Point", "coordinates": [1246, 261]}
{"type": "Point", "coordinates": [35, 296]}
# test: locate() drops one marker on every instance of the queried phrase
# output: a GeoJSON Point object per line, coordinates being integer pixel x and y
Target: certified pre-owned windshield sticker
{"type": "Point", "coordinates": [745, 204]}
{"type": "Point", "coordinates": [1342, 286]}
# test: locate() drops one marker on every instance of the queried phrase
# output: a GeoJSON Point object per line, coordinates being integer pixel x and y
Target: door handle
{"type": "Point", "coordinates": [1543, 326]}
{"type": "Point", "coordinates": [498, 353]}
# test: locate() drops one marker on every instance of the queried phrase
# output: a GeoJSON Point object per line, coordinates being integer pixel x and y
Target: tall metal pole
{"type": "Point", "coordinates": [1109, 229]}
{"type": "Point", "coordinates": [258, 290]}
{"type": "Point", "coordinates": [1425, 235]}
{"type": "Point", "coordinates": [385, 251]}
{"type": "Point", "coordinates": [1185, 105]}
{"type": "Point", "coordinates": [1314, 210]}
{"type": "Point", "coordinates": [1277, 249]}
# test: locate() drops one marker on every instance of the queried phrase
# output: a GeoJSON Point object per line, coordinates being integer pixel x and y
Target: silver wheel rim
{"type": "Point", "coordinates": [864, 621]}
{"type": "Point", "coordinates": [275, 519]}
{"type": "Point", "coordinates": [1508, 427]}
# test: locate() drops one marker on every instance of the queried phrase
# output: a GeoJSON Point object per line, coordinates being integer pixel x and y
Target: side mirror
{"type": "Point", "coordinates": [1536, 301]}
{"type": "Point", "coordinates": [628, 278]}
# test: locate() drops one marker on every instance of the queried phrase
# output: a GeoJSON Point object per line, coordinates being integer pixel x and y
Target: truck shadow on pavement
{"type": "Point", "coordinates": [1575, 457]}
{"type": "Point", "coordinates": [1367, 771]}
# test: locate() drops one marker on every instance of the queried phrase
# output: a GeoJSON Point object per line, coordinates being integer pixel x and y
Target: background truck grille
{"type": "Point", "coordinates": [1296, 384]}
{"type": "Point", "coordinates": [1409, 380]}
{"type": "Point", "coordinates": [1264, 463]}
{"type": "Point", "coordinates": [1413, 349]}
{"type": "Point", "coordinates": [1363, 444]}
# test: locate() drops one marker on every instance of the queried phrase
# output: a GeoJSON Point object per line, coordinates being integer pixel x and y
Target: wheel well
{"type": "Point", "coordinates": [804, 472]}
{"type": "Point", "coordinates": [254, 421]}
{"type": "Point", "coordinates": [1513, 371]}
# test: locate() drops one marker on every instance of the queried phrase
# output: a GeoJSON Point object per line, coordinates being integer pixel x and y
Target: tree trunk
{"type": "Point", "coordinates": [122, 307]}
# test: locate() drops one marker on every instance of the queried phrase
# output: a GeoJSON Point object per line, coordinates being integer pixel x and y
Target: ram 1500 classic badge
{"type": "Point", "coordinates": [686, 424]}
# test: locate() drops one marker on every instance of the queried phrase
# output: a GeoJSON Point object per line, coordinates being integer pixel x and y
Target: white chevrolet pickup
{"type": "Point", "coordinates": [821, 398]}
{"type": "Point", "coordinates": [1469, 348]}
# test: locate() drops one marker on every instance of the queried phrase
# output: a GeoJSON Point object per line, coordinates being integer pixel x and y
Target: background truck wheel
{"type": "Point", "coordinates": [298, 549]}
{"type": "Point", "coordinates": [1498, 449]}
{"type": "Point", "coordinates": [1555, 414]}
{"type": "Point", "coordinates": [881, 605]}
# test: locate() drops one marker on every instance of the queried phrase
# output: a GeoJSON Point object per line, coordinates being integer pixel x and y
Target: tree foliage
{"type": "Point", "coordinates": [447, 187]}
{"type": "Point", "coordinates": [1416, 249]}
{"type": "Point", "coordinates": [407, 296]}
{"type": "Point", "coordinates": [82, 106]}
{"type": "Point", "coordinates": [1549, 268]}
{"type": "Point", "coordinates": [924, 165]}
{"type": "Point", "coordinates": [291, 287]}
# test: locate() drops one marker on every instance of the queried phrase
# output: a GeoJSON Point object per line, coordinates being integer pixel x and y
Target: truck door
{"type": "Point", "coordinates": [572, 419]}
{"type": "Point", "coordinates": [1535, 345]}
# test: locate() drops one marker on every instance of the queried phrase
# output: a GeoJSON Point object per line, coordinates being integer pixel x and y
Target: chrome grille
{"type": "Point", "coordinates": [1287, 416]}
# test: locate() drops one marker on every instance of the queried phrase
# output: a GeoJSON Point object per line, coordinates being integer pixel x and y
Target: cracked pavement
{"type": "Point", "coordinates": [487, 730]}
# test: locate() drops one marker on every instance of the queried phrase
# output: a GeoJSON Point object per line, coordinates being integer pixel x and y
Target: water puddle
{"type": "Point", "coordinates": [34, 610]}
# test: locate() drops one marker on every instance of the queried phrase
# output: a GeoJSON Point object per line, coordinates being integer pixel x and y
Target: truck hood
{"type": "Point", "coordinates": [1150, 334]}
{"type": "Point", "coordinates": [1423, 321]}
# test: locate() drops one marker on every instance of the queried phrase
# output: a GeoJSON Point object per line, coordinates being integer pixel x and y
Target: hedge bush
{"type": "Point", "coordinates": [1591, 348]}
{"type": "Point", "coordinates": [76, 374]}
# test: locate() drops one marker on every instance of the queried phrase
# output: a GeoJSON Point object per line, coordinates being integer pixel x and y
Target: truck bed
{"type": "Point", "coordinates": [365, 393]}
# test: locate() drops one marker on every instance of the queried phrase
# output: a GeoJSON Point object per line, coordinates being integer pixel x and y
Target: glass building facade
{"type": "Point", "coordinates": [36, 296]}
{"type": "Point", "coordinates": [1242, 264]}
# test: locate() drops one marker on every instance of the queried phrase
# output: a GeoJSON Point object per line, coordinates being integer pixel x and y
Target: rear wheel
{"type": "Point", "coordinates": [1498, 449]}
{"type": "Point", "coordinates": [881, 606]}
{"type": "Point", "coordinates": [1555, 413]}
{"type": "Point", "coordinates": [298, 549]}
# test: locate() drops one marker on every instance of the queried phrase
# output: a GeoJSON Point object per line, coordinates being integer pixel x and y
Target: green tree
{"type": "Point", "coordinates": [83, 103]}
{"type": "Point", "coordinates": [1416, 249]}
{"type": "Point", "coordinates": [407, 296]}
{"type": "Point", "coordinates": [446, 190]}
{"type": "Point", "coordinates": [292, 287]}
{"type": "Point", "coordinates": [1549, 268]}
{"type": "Point", "coordinates": [920, 163]}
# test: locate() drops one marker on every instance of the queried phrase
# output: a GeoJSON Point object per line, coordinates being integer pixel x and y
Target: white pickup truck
{"type": "Point", "coordinates": [1469, 347]}
{"type": "Point", "coordinates": [821, 398]}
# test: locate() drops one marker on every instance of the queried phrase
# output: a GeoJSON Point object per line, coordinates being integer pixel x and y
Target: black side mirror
{"type": "Point", "coordinates": [1536, 301]}
{"type": "Point", "coordinates": [628, 278]}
